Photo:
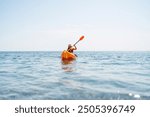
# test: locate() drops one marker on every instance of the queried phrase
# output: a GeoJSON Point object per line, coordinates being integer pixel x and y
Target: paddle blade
{"type": "Point", "coordinates": [81, 38]}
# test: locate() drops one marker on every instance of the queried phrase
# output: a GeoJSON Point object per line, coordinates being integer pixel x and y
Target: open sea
{"type": "Point", "coordinates": [94, 75]}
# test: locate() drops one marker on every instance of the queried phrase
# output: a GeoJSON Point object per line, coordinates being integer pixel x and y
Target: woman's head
{"type": "Point", "coordinates": [69, 45]}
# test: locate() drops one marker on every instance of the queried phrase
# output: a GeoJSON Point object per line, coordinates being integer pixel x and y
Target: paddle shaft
{"type": "Point", "coordinates": [76, 42]}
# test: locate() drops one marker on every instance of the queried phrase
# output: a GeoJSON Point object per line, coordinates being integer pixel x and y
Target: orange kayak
{"type": "Point", "coordinates": [67, 55]}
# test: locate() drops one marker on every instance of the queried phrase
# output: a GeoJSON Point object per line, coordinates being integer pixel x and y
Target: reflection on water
{"type": "Point", "coordinates": [68, 66]}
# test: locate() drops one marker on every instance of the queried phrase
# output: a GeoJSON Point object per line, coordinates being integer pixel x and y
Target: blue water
{"type": "Point", "coordinates": [94, 75]}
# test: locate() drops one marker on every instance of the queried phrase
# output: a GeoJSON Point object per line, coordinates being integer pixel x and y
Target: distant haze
{"type": "Point", "coordinates": [50, 25]}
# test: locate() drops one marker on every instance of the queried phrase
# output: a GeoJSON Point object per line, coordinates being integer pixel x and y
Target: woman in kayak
{"type": "Point", "coordinates": [71, 48]}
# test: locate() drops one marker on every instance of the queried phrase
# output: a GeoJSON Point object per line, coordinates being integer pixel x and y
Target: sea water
{"type": "Point", "coordinates": [94, 75]}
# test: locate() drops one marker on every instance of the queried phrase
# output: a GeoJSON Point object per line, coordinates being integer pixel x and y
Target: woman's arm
{"type": "Point", "coordinates": [75, 48]}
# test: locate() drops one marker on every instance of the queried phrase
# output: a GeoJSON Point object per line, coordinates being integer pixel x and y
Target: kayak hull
{"type": "Point", "coordinates": [67, 56]}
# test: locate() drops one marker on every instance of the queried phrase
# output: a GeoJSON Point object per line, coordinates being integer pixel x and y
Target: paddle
{"type": "Point", "coordinates": [81, 38]}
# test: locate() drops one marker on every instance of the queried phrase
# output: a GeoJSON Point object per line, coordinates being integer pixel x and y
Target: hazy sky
{"type": "Point", "coordinates": [52, 24]}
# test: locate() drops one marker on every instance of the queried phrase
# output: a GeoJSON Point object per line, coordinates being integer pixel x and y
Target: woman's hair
{"type": "Point", "coordinates": [69, 46]}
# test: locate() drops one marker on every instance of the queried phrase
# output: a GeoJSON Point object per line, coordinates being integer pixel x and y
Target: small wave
{"type": "Point", "coordinates": [137, 73]}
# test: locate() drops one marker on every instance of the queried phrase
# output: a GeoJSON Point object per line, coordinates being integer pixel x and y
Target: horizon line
{"type": "Point", "coordinates": [75, 51]}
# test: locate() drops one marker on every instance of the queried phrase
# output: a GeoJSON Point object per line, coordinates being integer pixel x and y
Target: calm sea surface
{"type": "Point", "coordinates": [94, 75]}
